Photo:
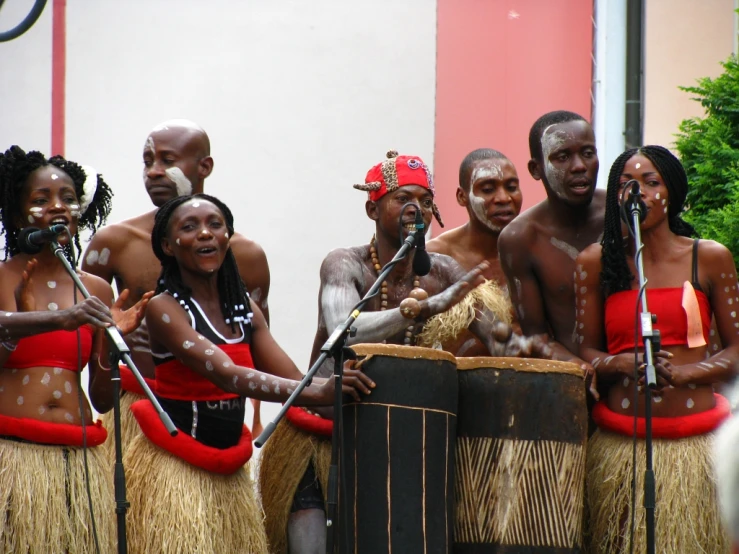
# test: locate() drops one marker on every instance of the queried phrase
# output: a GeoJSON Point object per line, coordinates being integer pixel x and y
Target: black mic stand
{"type": "Point", "coordinates": [334, 347]}
{"type": "Point", "coordinates": [651, 341]}
{"type": "Point", "coordinates": [119, 350]}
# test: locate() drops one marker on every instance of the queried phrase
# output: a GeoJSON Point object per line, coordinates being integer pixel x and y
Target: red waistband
{"type": "Point", "coordinates": [216, 460]}
{"type": "Point", "coordinates": [45, 432]}
{"type": "Point", "coordinates": [311, 423]}
{"type": "Point", "coordinates": [663, 427]}
{"type": "Point", "coordinates": [130, 384]}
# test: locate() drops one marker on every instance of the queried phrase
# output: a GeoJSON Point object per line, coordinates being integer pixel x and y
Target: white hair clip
{"type": "Point", "coordinates": [88, 188]}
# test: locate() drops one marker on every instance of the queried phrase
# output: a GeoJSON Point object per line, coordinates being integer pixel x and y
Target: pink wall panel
{"type": "Point", "coordinates": [500, 65]}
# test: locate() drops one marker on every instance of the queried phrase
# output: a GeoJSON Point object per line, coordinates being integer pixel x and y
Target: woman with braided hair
{"type": "Point", "coordinates": [688, 282]}
{"type": "Point", "coordinates": [212, 349]}
{"type": "Point", "coordinates": [47, 436]}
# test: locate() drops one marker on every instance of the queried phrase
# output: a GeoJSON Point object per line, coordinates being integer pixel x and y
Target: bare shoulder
{"type": "Point", "coordinates": [714, 255]}
{"type": "Point", "coordinates": [522, 231]}
{"type": "Point", "coordinates": [344, 263]}
{"type": "Point", "coordinates": [444, 243]}
{"type": "Point", "coordinates": [247, 250]}
{"type": "Point", "coordinates": [590, 257]}
{"type": "Point", "coordinates": [96, 286]}
{"type": "Point", "coordinates": [117, 235]}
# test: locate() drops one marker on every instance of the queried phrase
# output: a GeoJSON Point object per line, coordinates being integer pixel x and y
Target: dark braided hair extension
{"type": "Point", "coordinates": [465, 169]}
{"type": "Point", "coordinates": [234, 298]}
{"type": "Point", "coordinates": [15, 168]}
{"type": "Point", "coordinates": [615, 275]}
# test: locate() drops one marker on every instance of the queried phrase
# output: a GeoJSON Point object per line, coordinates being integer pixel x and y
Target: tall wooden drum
{"type": "Point", "coordinates": [397, 473]}
{"type": "Point", "coordinates": [520, 471]}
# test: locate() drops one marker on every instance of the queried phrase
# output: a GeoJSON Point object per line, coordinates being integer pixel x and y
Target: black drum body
{"type": "Point", "coordinates": [397, 490]}
{"type": "Point", "coordinates": [520, 464]}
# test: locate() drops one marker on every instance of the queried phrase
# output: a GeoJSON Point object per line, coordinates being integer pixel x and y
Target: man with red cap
{"type": "Point", "coordinates": [397, 188]}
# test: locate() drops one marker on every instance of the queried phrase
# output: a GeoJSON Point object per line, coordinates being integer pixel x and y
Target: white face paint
{"type": "Point", "coordinates": [150, 144]}
{"type": "Point", "coordinates": [177, 241]}
{"type": "Point", "coordinates": [183, 184]}
{"type": "Point", "coordinates": [551, 140]}
{"type": "Point", "coordinates": [54, 176]}
{"type": "Point", "coordinates": [104, 256]}
{"type": "Point", "coordinates": [35, 212]}
{"type": "Point", "coordinates": [637, 166]}
{"type": "Point", "coordinates": [30, 219]}
{"type": "Point", "coordinates": [485, 170]}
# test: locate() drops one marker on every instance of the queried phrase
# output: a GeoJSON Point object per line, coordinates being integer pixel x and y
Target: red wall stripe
{"type": "Point", "coordinates": [500, 64]}
{"type": "Point", "coordinates": [58, 76]}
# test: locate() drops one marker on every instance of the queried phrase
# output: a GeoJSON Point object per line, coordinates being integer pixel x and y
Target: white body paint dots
{"type": "Point", "coordinates": [104, 256]}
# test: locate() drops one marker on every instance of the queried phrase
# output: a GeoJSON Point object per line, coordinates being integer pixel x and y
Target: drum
{"type": "Point", "coordinates": [397, 475]}
{"type": "Point", "coordinates": [520, 456]}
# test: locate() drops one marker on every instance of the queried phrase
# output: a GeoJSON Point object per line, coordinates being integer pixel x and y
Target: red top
{"type": "Point", "coordinates": [177, 381]}
{"type": "Point", "coordinates": [666, 303]}
{"type": "Point", "coordinates": [53, 349]}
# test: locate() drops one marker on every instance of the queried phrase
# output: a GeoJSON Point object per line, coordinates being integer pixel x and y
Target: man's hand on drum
{"type": "Point", "coordinates": [508, 343]}
{"type": "Point", "coordinates": [353, 383]}
{"type": "Point", "coordinates": [455, 294]}
{"type": "Point", "coordinates": [591, 377]}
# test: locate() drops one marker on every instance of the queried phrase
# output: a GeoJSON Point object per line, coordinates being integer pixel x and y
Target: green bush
{"type": "Point", "coordinates": [709, 150]}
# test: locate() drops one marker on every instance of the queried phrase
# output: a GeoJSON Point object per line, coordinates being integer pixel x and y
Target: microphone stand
{"type": "Point", "coordinates": [651, 339]}
{"type": "Point", "coordinates": [334, 347]}
{"type": "Point", "coordinates": [119, 350]}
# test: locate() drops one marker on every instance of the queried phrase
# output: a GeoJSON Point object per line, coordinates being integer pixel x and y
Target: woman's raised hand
{"type": "Point", "coordinates": [128, 320]}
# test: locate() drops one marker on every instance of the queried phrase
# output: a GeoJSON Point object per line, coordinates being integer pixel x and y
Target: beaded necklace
{"type": "Point", "coordinates": [410, 308]}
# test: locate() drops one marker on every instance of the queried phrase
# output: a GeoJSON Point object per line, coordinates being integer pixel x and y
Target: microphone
{"type": "Point", "coordinates": [31, 239]}
{"type": "Point", "coordinates": [634, 204]}
{"type": "Point", "coordinates": [421, 261]}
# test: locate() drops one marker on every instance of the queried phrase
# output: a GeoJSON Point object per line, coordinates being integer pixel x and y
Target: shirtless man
{"type": "Point", "coordinates": [489, 191]}
{"type": "Point", "coordinates": [538, 249]}
{"type": "Point", "coordinates": [397, 188]}
{"type": "Point", "coordinates": [176, 162]}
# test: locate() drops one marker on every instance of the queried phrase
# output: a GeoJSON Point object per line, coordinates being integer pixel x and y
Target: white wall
{"type": "Point", "coordinates": [300, 99]}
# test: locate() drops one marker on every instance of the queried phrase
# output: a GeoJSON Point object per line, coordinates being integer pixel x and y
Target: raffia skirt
{"type": "Point", "coordinates": [177, 507]}
{"type": "Point", "coordinates": [687, 518]}
{"type": "Point", "coordinates": [444, 328]}
{"type": "Point", "coordinates": [282, 464]}
{"type": "Point", "coordinates": [129, 428]}
{"type": "Point", "coordinates": [43, 489]}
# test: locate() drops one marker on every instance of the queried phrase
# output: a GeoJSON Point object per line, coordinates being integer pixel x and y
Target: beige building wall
{"type": "Point", "coordinates": [684, 41]}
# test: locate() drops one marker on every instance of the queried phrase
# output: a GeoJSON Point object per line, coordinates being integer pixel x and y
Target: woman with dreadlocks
{"type": "Point", "coordinates": [689, 281]}
{"type": "Point", "coordinates": [212, 349]}
{"type": "Point", "coordinates": [47, 436]}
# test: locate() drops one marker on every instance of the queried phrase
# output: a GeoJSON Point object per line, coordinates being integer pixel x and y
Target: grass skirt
{"type": "Point", "coordinates": [445, 327]}
{"type": "Point", "coordinates": [687, 513]}
{"type": "Point", "coordinates": [178, 508]}
{"type": "Point", "coordinates": [282, 464]}
{"type": "Point", "coordinates": [43, 490]}
{"type": "Point", "coordinates": [129, 426]}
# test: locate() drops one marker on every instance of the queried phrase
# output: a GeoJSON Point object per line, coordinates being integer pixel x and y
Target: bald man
{"type": "Point", "coordinates": [177, 161]}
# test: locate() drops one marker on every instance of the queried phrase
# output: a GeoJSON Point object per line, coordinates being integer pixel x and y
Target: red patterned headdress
{"type": "Point", "coordinates": [395, 172]}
